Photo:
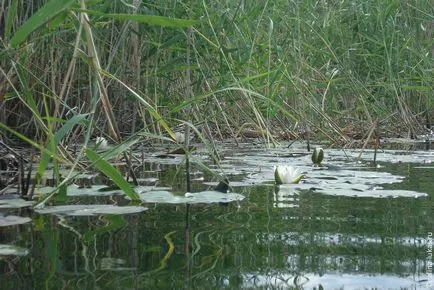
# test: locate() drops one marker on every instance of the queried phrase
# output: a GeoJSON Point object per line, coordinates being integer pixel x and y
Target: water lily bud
{"type": "Point", "coordinates": [317, 155]}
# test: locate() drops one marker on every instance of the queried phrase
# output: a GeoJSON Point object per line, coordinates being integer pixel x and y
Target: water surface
{"type": "Point", "coordinates": [317, 235]}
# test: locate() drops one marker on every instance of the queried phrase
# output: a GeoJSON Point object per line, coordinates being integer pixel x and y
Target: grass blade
{"type": "Point", "coordinates": [111, 172]}
{"type": "Point", "coordinates": [148, 19]}
{"type": "Point", "coordinates": [10, 18]}
{"type": "Point", "coordinates": [69, 125]}
{"type": "Point", "coordinates": [151, 109]}
{"type": "Point", "coordinates": [39, 18]}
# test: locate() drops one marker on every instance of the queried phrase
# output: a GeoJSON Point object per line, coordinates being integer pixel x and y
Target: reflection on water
{"type": "Point", "coordinates": [330, 281]}
{"type": "Point", "coordinates": [285, 196]}
{"type": "Point", "coordinates": [278, 237]}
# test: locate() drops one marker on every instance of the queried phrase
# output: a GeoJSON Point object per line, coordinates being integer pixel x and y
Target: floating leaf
{"type": "Point", "coordinates": [378, 193]}
{"type": "Point", "coordinates": [15, 203]}
{"type": "Point", "coordinates": [210, 196]}
{"type": "Point", "coordinates": [94, 190]}
{"type": "Point", "coordinates": [90, 210]}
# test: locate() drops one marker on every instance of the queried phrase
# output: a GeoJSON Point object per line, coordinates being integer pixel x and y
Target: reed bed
{"type": "Point", "coordinates": [139, 71]}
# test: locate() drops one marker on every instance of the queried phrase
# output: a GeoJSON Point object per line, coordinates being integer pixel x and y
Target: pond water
{"type": "Point", "coordinates": [348, 225]}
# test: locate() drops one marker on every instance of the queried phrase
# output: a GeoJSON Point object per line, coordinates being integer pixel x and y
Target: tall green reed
{"type": "Point", "coordinates": [49, 138]}
{"type": "Point", "coordinates": [278, 65]}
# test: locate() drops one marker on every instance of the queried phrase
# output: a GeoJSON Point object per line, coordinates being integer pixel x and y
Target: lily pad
{"type": "Point", "coordinates": [161, 196]}
{"type": "Point", "coordinates": [376, 193]}
{"type": "Point", "coordinates": [96, 190]}
{"type": "Point", "coordinates": [15, 203]}
{"type": "Point", "coordinates": [11, 220]}
{"type": "Point", "coordinates": [147, 180]}
{"type": "Point", "coordinates": [90, 210]}
{"type": "Point", "coordinates": [392, 156]}
{"type": "Point", "coordinates": [210, 196]}
{"type": "Point", "coordinates": [11, 250]}
{"type": "Point", "coordinates": [74, 190]}
{"type": "Point", "coordinates": [233, 183]}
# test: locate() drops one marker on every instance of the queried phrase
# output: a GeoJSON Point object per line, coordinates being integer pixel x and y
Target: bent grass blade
{"type": "Point", "coordinates": [39, 18]}
{"type": "Point", "coordinates": [111, 172]}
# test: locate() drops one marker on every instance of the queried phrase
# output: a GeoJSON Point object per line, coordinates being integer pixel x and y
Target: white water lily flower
{"type": "Point", "coordinates": [287, 174]}
{"type": "Point", "coordinates": [101, 143]}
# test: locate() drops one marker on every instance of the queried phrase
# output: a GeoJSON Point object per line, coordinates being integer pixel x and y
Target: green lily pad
{"type": "Point", "coordinates": [95, 190]}
{"type": "Point", "coordinates": [11, 220]}
{"type": "Point", "coordinates": [11, 250]}
{"type": "Point", "coordinates": [15, 203]}
{"type": "Point", "coordinates": [90, 210]}
{"type": "Point", "coordinates": [376, 193]}
{"type": "Point", "coordinates": [74, 190]}
{"type": "Point", "coordinates": [210, 196]}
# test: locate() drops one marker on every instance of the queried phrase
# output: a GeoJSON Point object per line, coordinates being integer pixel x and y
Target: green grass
{"type": "Point", "coordinates": [278, 66]}
{"type": "Point", "coordinates": [370, 59]}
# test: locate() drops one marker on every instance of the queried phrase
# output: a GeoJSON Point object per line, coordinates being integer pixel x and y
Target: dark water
{"type": "Point", "coordinates": [301, 240]}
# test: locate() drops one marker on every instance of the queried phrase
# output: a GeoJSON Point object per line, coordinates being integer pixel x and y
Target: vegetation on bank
{"type": "Point", "coordinates": [135, 70]}
{"type": "Point", "coordinates": [282, 66]}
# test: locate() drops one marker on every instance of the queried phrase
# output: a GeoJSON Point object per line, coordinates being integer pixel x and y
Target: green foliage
{"type": "Point", "coordinates": [147, 19]}
{"type": "Point", "coordinates": [47, 12]}
{"type": "Point", "coordinates": [314, 54]}
{"type": "Point", "coordinates": [111, 172]}
{"type": "Point", "coordinates": [9, 19]}
{"type": "Point", "coordinates": [317, 156]}
{"type": "Point", "coordinates": [218, 65]}
{"type": "Point", "coordinates": [69, 126]}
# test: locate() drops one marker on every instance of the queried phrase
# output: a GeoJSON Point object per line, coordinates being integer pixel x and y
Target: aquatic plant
{"type": "Point", "coordinates": [161, 70]}
{"type": "Point", "coordinates": [317, 156]}
{"type": "Point", "coordinates": [334, 76]}
{"type": "Point", "coordinates": [287, 174]}
{"type": "Point", "coordinates": [101, 143]}
{"type": "Point", "coordinates": [223, 186]}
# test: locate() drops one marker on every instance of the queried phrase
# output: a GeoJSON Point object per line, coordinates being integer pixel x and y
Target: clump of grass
{"type": "Point", "coordinates": [323, 64]}
{"type": "Point", "coordinates": [143, 68]}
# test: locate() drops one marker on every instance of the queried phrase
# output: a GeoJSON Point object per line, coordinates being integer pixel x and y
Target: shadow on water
{"type": "Point", "coordinates": [291, 237]}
